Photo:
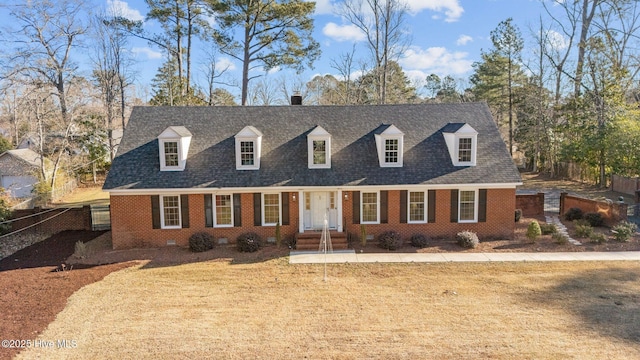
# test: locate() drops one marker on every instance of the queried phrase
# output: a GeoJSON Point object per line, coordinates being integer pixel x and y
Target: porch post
{"type": "Point", "coordinates": [301, 206]}
{"type": "Point", "coordinates": [339, 204]}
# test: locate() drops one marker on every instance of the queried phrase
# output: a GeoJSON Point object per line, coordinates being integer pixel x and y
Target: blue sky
{"type": "Point", "coordinates": [447, 36]}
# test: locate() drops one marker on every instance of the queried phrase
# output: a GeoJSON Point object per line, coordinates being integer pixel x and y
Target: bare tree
{"type": "Point", "coordinates": [111, 73]}
{"type": "Point", "coordinates": [47, 33]}
{"type": "Point", "coordinates": [382, 22]}
{"type": "Point", "coordinates": [213, 71]}
{"type": "Point", "coordinates": [344, 66]}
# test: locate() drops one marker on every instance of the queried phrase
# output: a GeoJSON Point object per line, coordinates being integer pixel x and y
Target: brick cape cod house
{"type": "Point", "coordinates": [434, 169]}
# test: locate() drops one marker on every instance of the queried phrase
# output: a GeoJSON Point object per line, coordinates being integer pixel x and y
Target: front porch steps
{"type": "Point", "coordinates": [310, 240]}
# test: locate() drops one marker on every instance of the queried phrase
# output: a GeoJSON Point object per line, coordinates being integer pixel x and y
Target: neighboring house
{"type": "Point", "coordinates": [434, 169]}
{"type": "Point", "coordinates": [18, 171]}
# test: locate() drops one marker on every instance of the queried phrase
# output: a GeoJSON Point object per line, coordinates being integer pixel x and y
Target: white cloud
{"type": "Point", "coordinates": [225, 63]}
{"type": "Point", "coordinates": [121, 8]}
{"type": "Point", "coordinates": [343, 32]}
{"type": "Point", "coordinates": [148, 52]}
{"type": "Point", "coordinates": [464, 40]}
{"type": "Point", "coordinates": [436, 60]}
{"type": "Point", "coordinates": [274, 70]}
{"type": "Point", "coordinates": [556, 41]}
{"type": "Point", "coordinates": [451, 8]}
{"type": "Point", "coordinates": [323, 7]}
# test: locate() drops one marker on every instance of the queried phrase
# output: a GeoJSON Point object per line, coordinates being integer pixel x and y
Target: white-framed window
{"type": "Point", "coordinates": [370, 207]}
{"type": "Point", "coordinates": [247, 153]}
{"type": "Point", "coordinates": [173, 146]}
{"type": "Point", "coordinates": [390, 146]}
{"type": "Point", "coordinates": [248, 148]}
{"type": "Point", "coordinates": [223, 210]}
{"type": "Point", "coordinates": [417, 207]}
{"type": "Point", "coordinates": [465, 149]}
{"type": "Point", "coordinates": [391, 151]}
{"type": "Point", "coordinates": [467, 206]}
{"type": "Point", "coordinates": [170, 216]}
{"type": "Point", "coordinates": [270, 209]}
{"type": "Point", "coordinates": [170, 153]}
{"type": "Point", "coordinates": [319, 149]}
{"type": "Point", "coordinates": [462, 143]}
{"type": "Point", "coordinates": [319, 152]}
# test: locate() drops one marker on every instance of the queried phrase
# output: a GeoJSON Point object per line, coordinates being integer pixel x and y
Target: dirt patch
{"type": "Point", "coordinates": [35, 288]}
{"type": "Point", "coordinates": [535, 182]}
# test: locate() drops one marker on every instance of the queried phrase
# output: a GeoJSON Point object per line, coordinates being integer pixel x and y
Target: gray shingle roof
{"type": "Point", "coordinates": [354, 161]}
{"type": "Point", "coordinates": [26, 155]}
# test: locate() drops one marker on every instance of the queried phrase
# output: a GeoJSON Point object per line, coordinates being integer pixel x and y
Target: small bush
{"type": "Point", "coordinates": [390, 240]}
{"type": "Point", "coordinates": [249, 242]}
{"type": "Point", "coordinates": [624, 231]}
{"type": "Point", "coordinates": [467, 239]}
{"type": "Point", "coordinates": [81, 250]}
{"type": "Point", "coordinates": [200, 241]}
{"type": "Point", "coordinates": [560, 239]}
{"type": "Point", "coordinates": [581, 222]}
{"type": "Point", "coordinates": [584, 231]}
{"type": "Point", "coordinates": [548, 229]}
{"type": "Point", "coordinates": [594, 219]}
{"type": "Point", "coordinates": [419, 241]}
{"type": "Point", "coordinates": [533, 230]}
{"type": "Point", "coordinates": [573, 214]}
{"type": "Point", "coordinates": [518, 214]}
{"type": "Point", "coordinates": [597, 238]}
{"type": "Point", "coordinates": [278, 235]}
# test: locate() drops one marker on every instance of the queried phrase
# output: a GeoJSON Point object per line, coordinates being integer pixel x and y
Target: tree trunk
{"type": "Point", "coordinates": [587, 17]}
{"type": "Point", "coordinates": [245, 66]}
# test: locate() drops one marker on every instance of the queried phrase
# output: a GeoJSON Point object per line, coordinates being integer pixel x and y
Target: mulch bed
{"type": "Point", "coordinates": [35, 288]}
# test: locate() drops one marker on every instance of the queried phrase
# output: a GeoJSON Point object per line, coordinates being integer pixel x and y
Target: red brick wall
{"type": "Point", "coordinates": [500, 217]}
{"type": "Point", "coordinates": [610, 211]}
{"type": "Point", "coordinates": [61, 219]}
{"type": "Point", "coordinates": [131, 221]}
{"type": "Point", "coordinates": [531, 205]}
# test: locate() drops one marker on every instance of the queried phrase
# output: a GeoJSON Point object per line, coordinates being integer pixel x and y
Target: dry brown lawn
{"type": "Point", "coordinates": [273, 310]}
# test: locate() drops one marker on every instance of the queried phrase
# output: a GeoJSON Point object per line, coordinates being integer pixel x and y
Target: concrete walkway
{"type": "Point", "coordinates": [350, 256]}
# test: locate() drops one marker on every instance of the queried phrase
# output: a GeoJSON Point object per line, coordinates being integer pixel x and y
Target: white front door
{"type": "Point", "coordinates": [319, 207]}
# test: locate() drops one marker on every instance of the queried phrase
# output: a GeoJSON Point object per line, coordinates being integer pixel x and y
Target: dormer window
{"type": "Point", "coordinates": [389, 143]}
{"type": "Point", "coordinates": [173, 146]}
{"type": "Point", "coordinates": [319, 149]}
{"type": "Point", "coordinates": [462, 142]}
{"type": "Point", "coordinates": [248, 148]}
{"type": "Point", "coordinates": [464, 149]}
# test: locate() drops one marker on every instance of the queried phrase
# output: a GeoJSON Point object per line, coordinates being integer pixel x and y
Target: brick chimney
{"type": "Point", "coordinates": [296, 99]}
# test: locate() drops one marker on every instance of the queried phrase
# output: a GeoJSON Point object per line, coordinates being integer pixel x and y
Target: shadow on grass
{"type": "Point", "coordinates": [607, 300]}
{"type": "Point", "coordinates": [176, 256]}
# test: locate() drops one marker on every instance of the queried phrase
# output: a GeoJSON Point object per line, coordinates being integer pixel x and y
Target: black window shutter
{"type": "Point", "coordinates": [355, 196]}
{"type": "Point", "coordinates": [155, 211]}
{"type": "Point", "coordinates": [482, 205]}
{"type": "Point", "coordinates": [237, 210]}
{"type": "Point", "coordinates": [285, 208]}
{"type": "Point", "coordinates": [454, 206]}
{"type": "Point", "coordinates": [431, 206]}
{"type": "Point", "coordinates": [208, 210]}
{"type": "Point", "coordinates": [184, 209]}
{"type": "Point", "coordinates": [384, 207]}
{"type": "Point", "coordinates": [257, 207]}
{"type": "Point", "coordinates": [403, 206]}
